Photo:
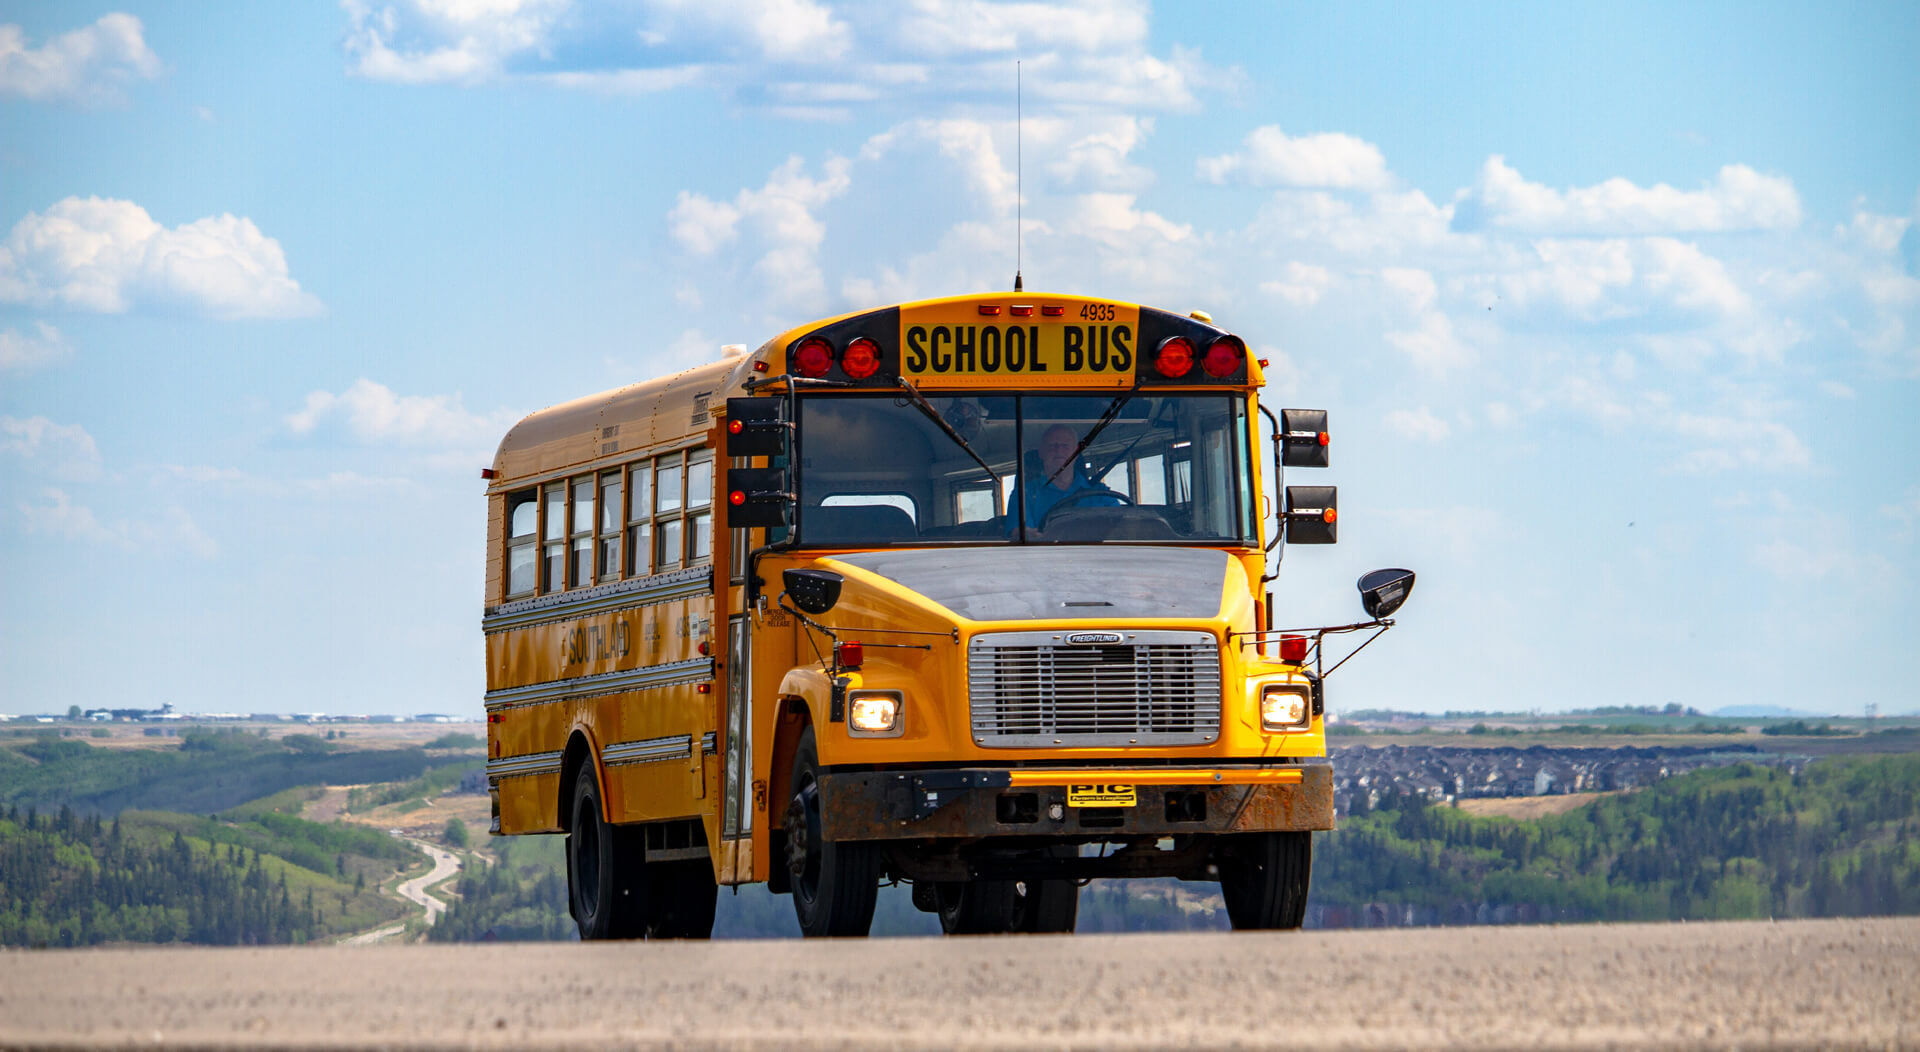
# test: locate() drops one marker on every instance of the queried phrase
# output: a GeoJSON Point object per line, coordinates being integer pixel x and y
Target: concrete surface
{"type": "Point", "coordinates": [1800, 984]}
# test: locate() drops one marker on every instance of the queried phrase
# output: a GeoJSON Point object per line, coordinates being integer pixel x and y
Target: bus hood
{"type": "Point", "coordinates": [1047, 583]}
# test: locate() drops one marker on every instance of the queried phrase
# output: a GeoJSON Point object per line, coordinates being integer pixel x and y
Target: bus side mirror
{"type": "Point", "coordinates": [814, 591]}
{"type": "Point", "coordinates": [755, 427]}
{"type": "Point", "coordinates": [1313, 515]}
{"type": "Point", "coordinates": [1382, 592]}
{"type": "Point", "coordinates": [758, 497]}
{"type": "Point", "coordinates": [1303, 438]}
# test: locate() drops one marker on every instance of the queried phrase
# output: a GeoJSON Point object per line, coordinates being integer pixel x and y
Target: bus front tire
{"type": "Point", "coordinates": [835, 884]}
{"type": "Point", "coordinates": [608, 891]}
{"type": "Point", "coordinates": [1264, 878]}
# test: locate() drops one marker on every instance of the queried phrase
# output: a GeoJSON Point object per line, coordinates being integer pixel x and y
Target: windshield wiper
{"type": "Point", "coordinates": [1113, 410]}
{"type": "Point", "coordinates": [920, 402]}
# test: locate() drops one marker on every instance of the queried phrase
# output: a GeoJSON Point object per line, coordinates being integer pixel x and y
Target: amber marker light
{"type": "Point", "coordinates": [1019, 311]}
{"type": "Point", "coordinates": [991, 310]}
{"type": "Point", "coordinates": [1052, 310]}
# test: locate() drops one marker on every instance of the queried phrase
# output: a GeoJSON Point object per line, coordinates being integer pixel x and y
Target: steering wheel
{"type": "Point", "coordinates": [1075, 499]}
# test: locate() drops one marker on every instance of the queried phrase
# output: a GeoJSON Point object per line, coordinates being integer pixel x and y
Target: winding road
{"type": "Point", "coordinates": [445, 864]}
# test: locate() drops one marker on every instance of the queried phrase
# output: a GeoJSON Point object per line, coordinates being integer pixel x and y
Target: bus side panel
{"type": "Point", "coordinates": [530, 804]}
{"type": "Point", "coordinates": [658, 634]}
{"type": "Point", "coordinates": [671, 784]}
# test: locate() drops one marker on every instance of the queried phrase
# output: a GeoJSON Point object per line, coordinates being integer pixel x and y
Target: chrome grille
{"type": "Point", "coordinates": [1028, 689]}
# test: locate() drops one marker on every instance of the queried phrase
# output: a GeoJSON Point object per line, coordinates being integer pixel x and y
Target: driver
{"type": "Point", "coordinates": [1060, 480]}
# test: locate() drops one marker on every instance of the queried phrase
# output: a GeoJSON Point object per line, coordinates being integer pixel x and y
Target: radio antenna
{"type": "Point", "coordinates": [1019, 185]}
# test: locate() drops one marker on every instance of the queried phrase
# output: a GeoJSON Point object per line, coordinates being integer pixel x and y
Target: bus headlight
{"type": "Point", "coordinates": [1285, 708]}
{"type": "Point", "coordinates": [875, 713]}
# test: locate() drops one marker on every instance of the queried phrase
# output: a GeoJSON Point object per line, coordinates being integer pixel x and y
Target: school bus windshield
{"type": "Point", "coordinates": [881, 470]}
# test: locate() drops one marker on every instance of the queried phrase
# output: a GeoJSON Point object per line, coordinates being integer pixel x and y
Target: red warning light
{"type": "Point", "coordinates": [813, 358]}
{"type": "Point", "coordinates": [1174, 359]}
{"type": "Point", "coordinates": [737, 498]}
{"type": "Point", "coordinates": [1293, 648]}
{"type": "Point", "coordinates": [1223, 358]}
{"type": "Point", "coordinates": [861, 359]}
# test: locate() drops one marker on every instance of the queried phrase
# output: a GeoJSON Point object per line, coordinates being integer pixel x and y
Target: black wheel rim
{"type": "Point", "coordinates": [803, 841]}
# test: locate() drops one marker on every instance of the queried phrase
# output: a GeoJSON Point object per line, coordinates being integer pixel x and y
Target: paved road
{"type": "Point", "coordinates": [445, 864]}
{"type": "Point", "coordinates": [1801, 984]}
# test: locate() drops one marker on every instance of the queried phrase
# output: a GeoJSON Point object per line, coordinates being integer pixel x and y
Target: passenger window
{"type": "Point", "coordinates": [582, 569]}
{"type": "Point", "coordinates": [523, 529]}
{"type": "Point", "coordinates": [612, 518]}
{"type": "Point", "coordinates": [640, 523]}
{"type": "Point", "coordinates": [974, 503]}
{"type": "Point", "coordinates": [553, 570]}
{"type": "Point", "coordinates": [699, 501]}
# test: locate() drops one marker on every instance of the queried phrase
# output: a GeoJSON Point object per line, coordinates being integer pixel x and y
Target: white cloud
{"type": "Point", "coordinates": [1738, 198]}
{"type": "Point", "coordinates": [1752, 441]}
{"type": "Point", "coordinates": [373, 413]}
{"type": "Point", "coordinates": [1098, 160]}
{"type": "Point", "coordinates": [107, 255]}
{"type": "Point", "coordinates": [968, 144]}
{"type": "Point", "coordinates": [26, 351]}
{"type": "Point", "coordinates": [802, 59]}
{"type": "Point", "coordinates": [170, 531]}
{"type": "Point", "coordinates": [1413, 287]}
{"type": "Point", "coordinates": [1613, 279]}
{"type": "Point", "coordinates": [1432, 344]}
{"type": "Point", "coordinates": [1876, 234]}
{"type": "Point", "coordinates": [1300, 284]}
{"type": "Point", "coordinates": [1836, 389]}
{"type": "Point", "coordinates": [63, 451]}
{"type": "Point", "coordinates": [950, 28]}
{"type": "Point", "coordinates": [1272, 158]}
{"type": "Point", "coordinates": [1417, 425]}
{"type": "Point", "coordinates": [90, 66]}
{"type": "Point", "coordinates": [779, 30]}
{"type": "Point", "coordinates": [431, 41]}
{"type": "Point", "coordinates": [780, 216]}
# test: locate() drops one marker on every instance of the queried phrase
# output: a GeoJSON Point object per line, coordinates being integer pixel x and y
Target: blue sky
{"type": "Point", "coordinates": [1616, 308]}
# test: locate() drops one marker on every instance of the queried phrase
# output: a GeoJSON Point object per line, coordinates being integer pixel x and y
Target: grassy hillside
{"type": "Point", "coordinates": [210, 772]}
{"type": "Point", "coordinates": [1841, 838]}
{"type": "Point", "coordinates": [74, 880]}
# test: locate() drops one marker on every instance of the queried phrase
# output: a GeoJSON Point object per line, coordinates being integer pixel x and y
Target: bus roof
{"type": "Point", "coordinates": [661, 412]}
{"type": "Point", "coordinates": [607, 424]}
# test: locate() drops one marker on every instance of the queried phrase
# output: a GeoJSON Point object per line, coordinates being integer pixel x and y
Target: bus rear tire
{"type": "Point", "coordinates": [991, 907]}
{"type": "Point", "coordinates": [835, 884]}
{"type": "Point", "coordinates": [1264, 879]}
{"type": "Point", "coordinates": [608, 890]}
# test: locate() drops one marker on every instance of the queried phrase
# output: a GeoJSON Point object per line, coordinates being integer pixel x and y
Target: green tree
{"type": "Point", "coordinates": [457, 833]}
{"type": "Point", "coordinates": [73, 712]}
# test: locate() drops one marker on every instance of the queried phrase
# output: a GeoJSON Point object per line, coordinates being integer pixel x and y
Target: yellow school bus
{"type": "Point", "coordinates": [968, 593]}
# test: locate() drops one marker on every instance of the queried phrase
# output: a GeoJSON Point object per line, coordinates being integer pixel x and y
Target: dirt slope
{"type": "Point", "coordinates": [1746, 985]}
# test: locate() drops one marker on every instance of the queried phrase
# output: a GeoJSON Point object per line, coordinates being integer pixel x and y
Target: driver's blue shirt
{"type": "Point", "coordinates": [1042, 497]}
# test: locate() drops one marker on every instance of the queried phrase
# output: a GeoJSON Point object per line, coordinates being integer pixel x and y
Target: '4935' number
{"type": "Point", "coordinates": [1097, 312]}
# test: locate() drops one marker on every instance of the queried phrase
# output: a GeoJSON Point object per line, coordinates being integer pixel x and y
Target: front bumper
{"type": "Point", "coordinates": [975, 803]}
